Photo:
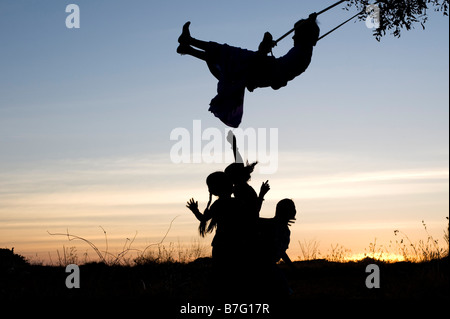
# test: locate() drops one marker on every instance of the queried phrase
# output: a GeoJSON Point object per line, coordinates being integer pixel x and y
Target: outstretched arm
{"type": "Point", "coordinates": [232, 140]}
{"type": "Point", "coordinates": [193, 206]}
{"type": "Point", "coordinates": [265, 187]}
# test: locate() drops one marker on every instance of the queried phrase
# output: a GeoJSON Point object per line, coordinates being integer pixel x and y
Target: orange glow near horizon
{"type": "Point", "coordinates": [350, 209]}
{"type": "Point", "coordinates": [50, 249]}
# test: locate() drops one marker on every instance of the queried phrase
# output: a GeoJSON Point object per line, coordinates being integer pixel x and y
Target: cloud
{"type": "Point", "coordinates": [153, 179]}
{"type": "Point", "coordinates": [321, 175]}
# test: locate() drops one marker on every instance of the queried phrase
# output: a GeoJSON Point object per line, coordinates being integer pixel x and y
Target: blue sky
{"type": "Point", "coordinates": [86, 115]}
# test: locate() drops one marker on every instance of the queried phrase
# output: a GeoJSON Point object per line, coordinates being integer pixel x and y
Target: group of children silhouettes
{"type": "Point", "coordinates": [246, 247]}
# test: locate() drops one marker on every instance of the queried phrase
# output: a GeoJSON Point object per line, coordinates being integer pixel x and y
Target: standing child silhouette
{"type": "Point", "coordinates": [230, 259]}
{"type": "Point", "coordinates": [240, 176]}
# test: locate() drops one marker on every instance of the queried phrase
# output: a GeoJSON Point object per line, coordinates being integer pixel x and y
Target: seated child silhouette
{"type": "Point", "coordinates": [274, 238]}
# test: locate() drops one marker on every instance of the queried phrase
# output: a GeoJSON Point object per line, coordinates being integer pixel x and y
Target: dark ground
{"type": "Point", "coordinates": [174, 285]}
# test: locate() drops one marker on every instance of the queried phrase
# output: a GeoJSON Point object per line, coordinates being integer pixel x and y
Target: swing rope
{"type": "Point", "coordinates": [330, 7]}
{"type": "Point", "coordinates": [342, 24]}
{"type": "Point", "coordinates": [317, 14]}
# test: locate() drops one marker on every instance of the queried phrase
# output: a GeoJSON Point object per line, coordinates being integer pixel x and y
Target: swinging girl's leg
{"type": "Point", "coordinates": [206, 51]}
{"type": "Point", "coordinates": [186, 39]}
{"type": "Point", "coordinates": [203, 45]}
{"type": "Point", "coordinates": [186, 49]}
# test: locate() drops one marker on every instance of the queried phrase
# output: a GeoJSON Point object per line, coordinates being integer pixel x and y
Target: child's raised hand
{"type": "Point", "coordinates": [265, 187]}
{"type": "Point", "coordinates": [192, 205]}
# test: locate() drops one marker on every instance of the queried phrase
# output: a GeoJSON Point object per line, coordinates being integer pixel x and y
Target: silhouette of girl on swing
{"type": "Point", "coordinates": [237, 68]}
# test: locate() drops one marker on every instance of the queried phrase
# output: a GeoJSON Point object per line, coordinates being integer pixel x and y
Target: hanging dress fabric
{"type": "Point", "coordinates": [230, 66]}
{"type": "Point", "coordinates": [236, 69]}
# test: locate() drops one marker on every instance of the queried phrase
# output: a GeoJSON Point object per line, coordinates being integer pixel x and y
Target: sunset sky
{"type": "Point", "coordinates": [86, 117]}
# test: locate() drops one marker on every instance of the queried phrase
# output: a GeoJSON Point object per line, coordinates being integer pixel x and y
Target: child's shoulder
{"type": "Point", "coordinates": [245, 189]}
{"type": "Point", "coordinates": [226, 203]}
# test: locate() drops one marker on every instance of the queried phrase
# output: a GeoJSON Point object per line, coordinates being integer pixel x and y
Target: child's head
{"type": "Point", "coordinates": [237, 172]}
{"type": "Point", "coordinates": [306, 32]}
{"type": "Point", "coordinates": [219, 184]}
{"type": "Point", "coordinates": [285, 211]}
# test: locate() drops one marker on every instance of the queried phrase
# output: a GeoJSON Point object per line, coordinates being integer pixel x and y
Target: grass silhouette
{"type": "Point", "coordinates": [172, 272]}
{"type": "Point", "coordinates": [106, 257]}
